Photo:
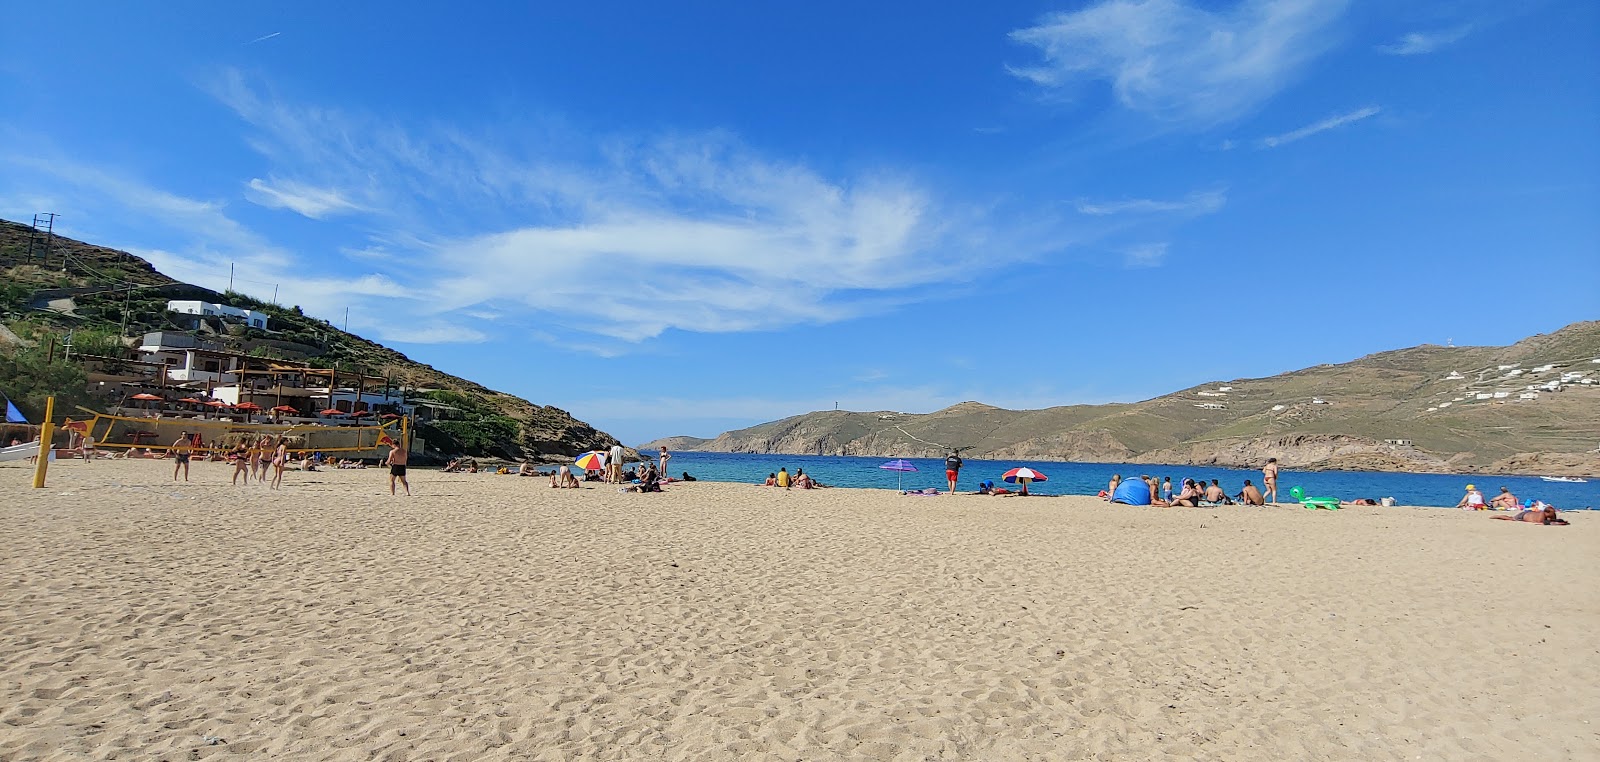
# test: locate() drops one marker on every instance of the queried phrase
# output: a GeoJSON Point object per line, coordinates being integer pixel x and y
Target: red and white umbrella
{"type": "Point", "coordinates": [1024, 475]}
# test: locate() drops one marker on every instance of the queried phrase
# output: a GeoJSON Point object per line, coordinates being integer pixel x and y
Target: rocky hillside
{"type": "Point", "coordinates": [92, 290]}
{"type": "Point", "coordinates": [1459, 408]}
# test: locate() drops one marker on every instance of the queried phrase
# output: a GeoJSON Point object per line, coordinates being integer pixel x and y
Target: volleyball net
{"type": "Point", "coordinates": [216, 435]}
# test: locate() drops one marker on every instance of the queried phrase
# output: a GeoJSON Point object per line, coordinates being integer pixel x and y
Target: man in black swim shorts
{"type": "Point", "coordinates": [397, 467]}
{"type": "Point", "coordinates": [180, 452]}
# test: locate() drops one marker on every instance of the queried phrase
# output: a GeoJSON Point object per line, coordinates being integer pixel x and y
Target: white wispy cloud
{"type": "Point", "coordinates": [1146, 256]}
{"type": "Point", "coordinates": [1178, 61]}
{"type": "Point", "coordinates": [315, 203]}
{"type": "Point", "coordinates": [203, 244]}
{"type": "Point", "coordinates": [1206, 202]}
{"type": "Point", "coordinates": [691, 232]}
{"type": "Point", "coordinates": [1421, 43]}
{"type": "Point", "coordinates": [1330, 123]}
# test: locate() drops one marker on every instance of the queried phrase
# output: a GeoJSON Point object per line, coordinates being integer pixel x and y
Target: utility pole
{"type": "Point", "coordinates": [230, 277]}
{"type": "Point", "coordinates": [125, 302]}
{"type": "Point", "coordinates": [48, 219]}
{"type": "Point", "coordinates": [347, 320]}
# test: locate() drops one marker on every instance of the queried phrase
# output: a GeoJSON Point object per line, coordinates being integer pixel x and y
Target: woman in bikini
{"type": "Point", "coordinates": [241, 462]}
{"type": "Point", "coordinates": [280, 458]}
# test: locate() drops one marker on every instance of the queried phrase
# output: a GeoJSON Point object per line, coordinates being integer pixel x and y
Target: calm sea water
{"type": "Point", "coordinates": [1090, 478]}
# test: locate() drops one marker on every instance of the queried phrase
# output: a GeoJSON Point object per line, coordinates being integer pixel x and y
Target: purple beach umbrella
{"type": "Point", "coordinates": [899, 467]}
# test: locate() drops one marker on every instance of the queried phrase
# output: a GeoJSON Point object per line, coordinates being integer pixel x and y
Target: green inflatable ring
{"type": "Point", "coordinates": [1313, 503]}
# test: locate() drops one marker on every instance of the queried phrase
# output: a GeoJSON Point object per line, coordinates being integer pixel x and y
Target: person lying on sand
{"type": "Point", "coordinates": [1360, 501]}
{"type": "Point", "coordinates": [1547, 517]}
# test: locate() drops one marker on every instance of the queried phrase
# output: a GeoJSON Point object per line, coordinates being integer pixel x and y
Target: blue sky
{"type": "Point", "coordinates": [686, 218]}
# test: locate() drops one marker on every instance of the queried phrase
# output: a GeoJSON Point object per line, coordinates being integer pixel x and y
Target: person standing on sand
{"type": "Point", "coordinates": [664, 458]}
{"type": "Point", "coordinates": [397, 467]}
{"type": "Point", "coordinates": [181, 450]}
{"type": "Point", "coordinates": [614, 466]}
{"type": "Point", "coordinates": [241, 463]}
{"type": "Point", "coordinates": [952, 469]}
{"type": "Point", "coordinates": [1269, 480]}
{"type": "Point", "coordinates": [88, 449]}
{"type": "Point", "coordinates": [280, 461]}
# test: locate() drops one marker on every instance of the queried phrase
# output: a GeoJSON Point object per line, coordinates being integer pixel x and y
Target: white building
{"type": "Point", "coordinates": [252, 318]}
{"type": "Point", "coordinates": [1528, 396]}
{"type": "Point", "coordinates": [1446, 404]}
{"type": "Point", "coordinates": [1211, 406]}
{"type": "Point", "coordinates": [1484, 396]}
{"type": "Point", "coordinates": [1318, 401]}
{"type": "Point", "coordinates": [187, 359]}
{"type": "Point", "coordinates": [1400, 442]}
{"type": "Point", "coordinates": [1509, 367]}
{"type": "Point", "coordinates": [1545, 368]}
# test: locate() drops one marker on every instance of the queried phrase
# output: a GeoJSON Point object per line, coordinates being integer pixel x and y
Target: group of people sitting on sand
{"type": "Point", "coordinates": [800, 480]}
{"type": "Point", "coordinates": [1192, 493]}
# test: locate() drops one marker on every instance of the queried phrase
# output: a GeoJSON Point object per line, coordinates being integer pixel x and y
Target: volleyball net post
{"type": "Point", "coordinates": [46, 431]}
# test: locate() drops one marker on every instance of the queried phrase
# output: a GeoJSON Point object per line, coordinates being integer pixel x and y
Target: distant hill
{"type": "Point", "coordinates": [105, 287]}
{"type": "Point", "coordinates": [1328, 417]}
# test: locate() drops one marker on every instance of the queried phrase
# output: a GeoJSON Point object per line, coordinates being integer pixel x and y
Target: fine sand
{"type": "Point", "coordinates": [491, 617]}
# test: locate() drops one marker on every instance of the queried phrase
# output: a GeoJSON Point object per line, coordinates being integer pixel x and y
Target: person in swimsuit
{"type": "Point", "coordinates": [397, 467]}
{"type": "Point", "coordinates": [280, 459]}
{"type": "Point", "coordinates": [1546, 517]}
{"type": "Point", "coordinates": [241, 462]}
{"type": "Point", "coordinates": [1250, 495]}
{"type": "Point", "coordinates": [1189, 496]}
{"type": "Point", "coordinates": [1505, 500]}
{"type": "Point", "coordinates": [952, 469]}
{"type": "Point", "coordinates": [181, 450]}
{"type": "Point", "coordinates": [665, 456]}
{"type": "Point", "coordinates": [1269, 480]}
{"type": "Point", "coordinates": [1116, 481]}
{"type": "Point", "coordinates": [261, 458]}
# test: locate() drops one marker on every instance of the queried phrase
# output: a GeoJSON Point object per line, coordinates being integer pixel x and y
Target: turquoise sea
{"type": "Point", "coordinates": [1090, 478]}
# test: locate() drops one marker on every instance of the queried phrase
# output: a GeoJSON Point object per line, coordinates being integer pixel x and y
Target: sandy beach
{"type": "Point", "coordinates": [493, 618]}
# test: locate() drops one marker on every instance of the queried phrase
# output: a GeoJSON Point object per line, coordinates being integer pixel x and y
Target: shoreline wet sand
{"type": "Point", "coordinates": [491, 617]}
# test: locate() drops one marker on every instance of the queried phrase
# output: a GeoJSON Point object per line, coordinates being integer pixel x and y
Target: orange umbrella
{"type": "Point", "coordinates": [331, 411]}
{"type": "Point", "coordinates": [284, 409]}
{"type": "Point", "coordinates": [247, 406]}
{"type": "Point", "coordinates": [145, 397]}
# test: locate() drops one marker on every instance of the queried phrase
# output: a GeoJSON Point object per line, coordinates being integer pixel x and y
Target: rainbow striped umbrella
{"type": "Point", "coordinates": [592, 461]}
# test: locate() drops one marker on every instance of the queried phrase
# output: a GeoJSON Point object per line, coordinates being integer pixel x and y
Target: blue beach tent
{"type": "Point", "coordinates": [1132, 492]}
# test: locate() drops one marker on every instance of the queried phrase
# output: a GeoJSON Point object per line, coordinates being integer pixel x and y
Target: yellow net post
{"type": "Point", "coordinates": [46, 431]}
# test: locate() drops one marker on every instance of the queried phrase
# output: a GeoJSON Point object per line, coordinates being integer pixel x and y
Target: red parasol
{"type": "Point", "coordinates": [247, 406]}
{"type": "Point", "coordinates": [214, 403]}
{"type": "Point", "coordinates": [284, 409]}
{"type": "Point", "coordinates": [145, 397]}
{"type": "Point", "coordinates": [331, 411]}
{"type": "Point", "coordinates": [358, 413]}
